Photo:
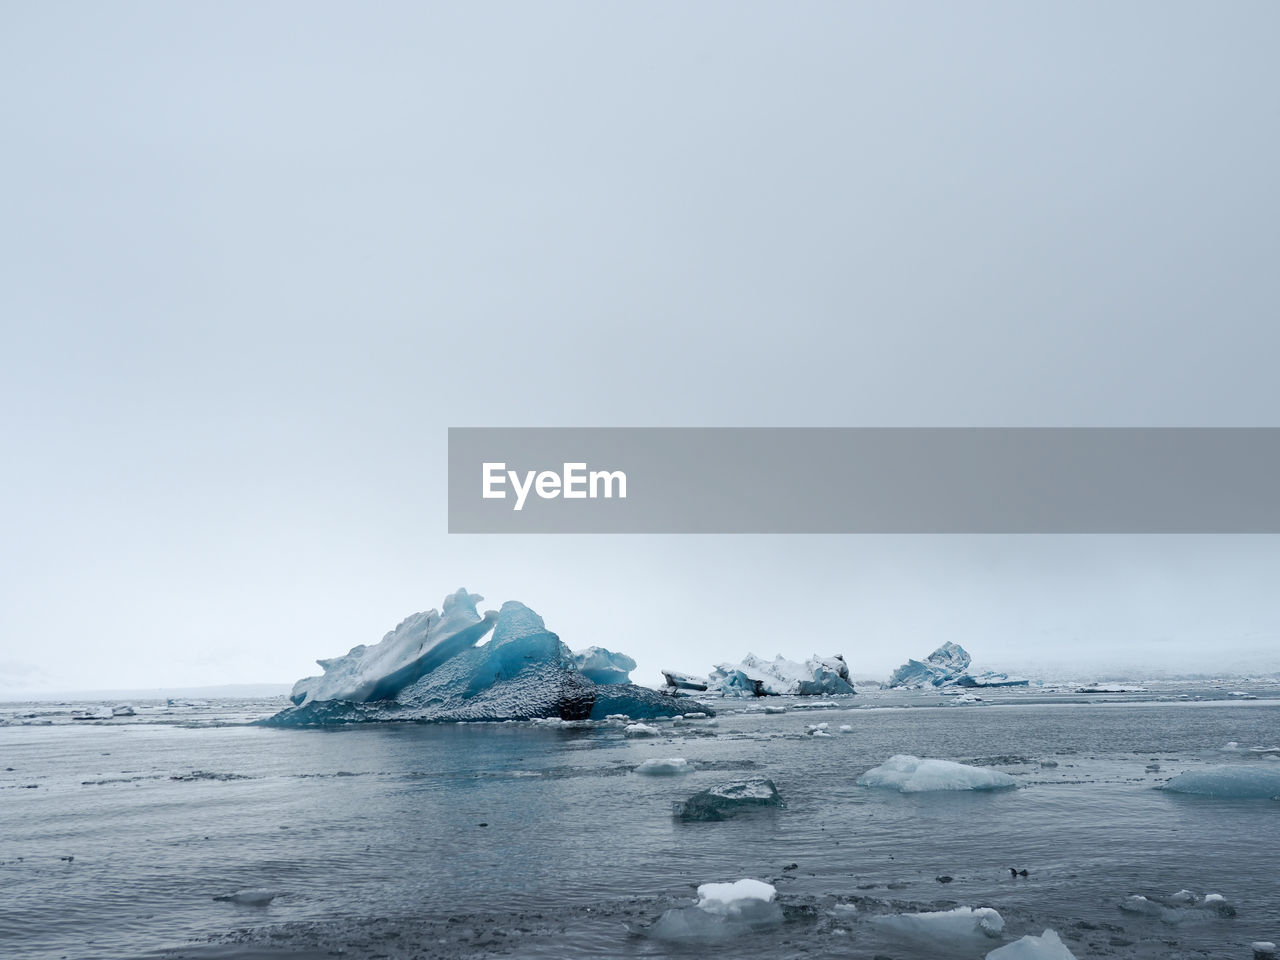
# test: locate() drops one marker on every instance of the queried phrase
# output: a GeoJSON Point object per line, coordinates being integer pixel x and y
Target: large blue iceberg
{"type": "Point", "coordinates": [948, 666]}
{"type": "Point", "coordinates": [430, 668]}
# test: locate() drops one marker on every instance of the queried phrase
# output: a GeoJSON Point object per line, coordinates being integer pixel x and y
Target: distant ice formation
{"type": "Point", "coordinates": [908, 774]}
{"type": "Point", "coordinates": [757, 677]}
{"type": "Point", "coordinates": [948, 666]}
{"type": "Point", "coordinates": [432, 667]}
{"type": "Point", "coordinates": [668, 767]}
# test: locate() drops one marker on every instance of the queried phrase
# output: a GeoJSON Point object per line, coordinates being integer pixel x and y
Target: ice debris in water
{"type": "Point", "coordinates": [256, 897]}
{"type": "Point", "coordinates": [433, 667]}
{"type": "Point", "coordinates": [1047, 946]}
{"type": "Point", "coordinates": [604, 666]}
{"type": "Point", "coordinates": [1235, 782]}
{"type": "Point", "coordinates": [945, 926]}
{"type": "Point", "coordinates": [1183, 905]}
{"type": "Point", "coordinates": [1263, 949]}
{"type": "Point", "coordinates": [723, 911]}
{"type": "Point", "coordinates": [641, 730]}
{"type": "Point", "coordinates": [908, 774]}
{"type": "Point", "coordinates": [672, 766]}
{"type": "Point", "coordinates": [729, 799]}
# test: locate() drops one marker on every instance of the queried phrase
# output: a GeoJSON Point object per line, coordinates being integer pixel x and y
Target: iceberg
{"type": "Point", "coordinates": [604, 666]}
{"type": "Point", "coordinates": [1047, 946]}
{"type": "Point", "coordinates": [757, 677]}
{"type": "Point", "coordinates": [945, 667]}
{"type": "Point", "coordinates": [908, 774]}
{"type": "Point", "coordinates": [1240, 782]}
{"type": "Point", "coordinates": [432, 667]}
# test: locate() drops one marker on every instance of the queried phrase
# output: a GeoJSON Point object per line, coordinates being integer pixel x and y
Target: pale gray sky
{"type": "Point", "coordinates": [256, 258]}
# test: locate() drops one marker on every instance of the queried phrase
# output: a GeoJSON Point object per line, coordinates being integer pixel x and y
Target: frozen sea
{"type": "Point", "coordinates": [537, 840]}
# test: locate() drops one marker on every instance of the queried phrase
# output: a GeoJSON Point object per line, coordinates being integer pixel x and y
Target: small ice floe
{"type": "Point", "coordinates": [695, 715]}
{"type": "Point", "coordinates": [846, 728]}
{"type": "Point", "coordinates": [96, 713]}
{"type": "Point", "coordinates": [255, 897]}
{"type": "Point", "coordinates": [729, 799]}
{"type": "Point", "coordinates": [723, 911]}
{"type": "Point", "coordinates": [908, 774]}
{"type": "Point", "coordinates": [817, 729]}
{"type": "Point", "coordinates": [669, 767]}
{"type": "Point", "coordinates": [1234, 782]}
{"type": "Point", "coordinates": [123, 710]}
{"type": "Point", "coordinates": [775, 709]}
{"type": "Point", "coordinates": [1111, 688]}
{"type": "Point", "coordinates": [945, 926]}
{"type": "Point", "coordinates": [1263, 950]}
{"type": "Point", "coordinates": [1181, 906]}
{"type": "Point", "coordinates": [817, 705]}
{"type": "Point", "coordinates": [641, 730]}
{"type": "Point", "coordinates": [1047, 946]}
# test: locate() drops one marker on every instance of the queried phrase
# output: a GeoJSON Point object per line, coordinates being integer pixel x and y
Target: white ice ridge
{"type": "Point", "coordinates": [414, 648]}
{"type": "Point", "coordinates": [962, 923]}
{"type": "Point", "coordinates": [908, 774]}
{"type": "Point", "coordinates": [1047, 946]}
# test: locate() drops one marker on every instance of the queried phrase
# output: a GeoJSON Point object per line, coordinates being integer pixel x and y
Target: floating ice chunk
{"type": "Point", "coordinates": [1263, 949]}
{"type": "Point", "coordinates": [846, 728]}
{"type": "Point", "coordinates": [945, 926]}
{"type": "Point", "coordinates": [1111, 688]}
{"type": "Point", "coordinates": [816, 727]}
{"type": "Point", "coordinates": [641, 730]}
{"type": "Point", "coordinates": [256, 897]}
{"type": "Point", "coordinates": [123, 710]}
{"type": "Point", "coordinates": [722, 897]}
{"type": "Point", "coordinates": [729, 799]}
{"type": "Point", "coordinates": [1181, 906]}
{"type": "Point", "coordinates": [1235, 782]}
{"type": "Point", "coordinates": [908, 774]}
{"type": "Point", "coordinates": [1047, 946]}
{"type": "Point", "coordinates": [672, 766]}
{"type": "Point", "coordinates": [604, 666]}
{"type": "Point", "coordinates": [775, 709]}
{"type": "Point", "coordinates": [723, 911]}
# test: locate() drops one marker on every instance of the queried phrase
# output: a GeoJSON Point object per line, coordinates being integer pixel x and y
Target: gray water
{"type": "Point", "coordinates": [531, 841]}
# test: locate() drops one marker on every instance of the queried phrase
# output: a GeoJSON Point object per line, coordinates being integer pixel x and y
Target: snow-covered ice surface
{"type": "Point", "coordinates": [537, 840]}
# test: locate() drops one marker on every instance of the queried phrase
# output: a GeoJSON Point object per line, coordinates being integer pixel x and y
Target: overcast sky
{"type": "Point", "coordinates": [255, 259]}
